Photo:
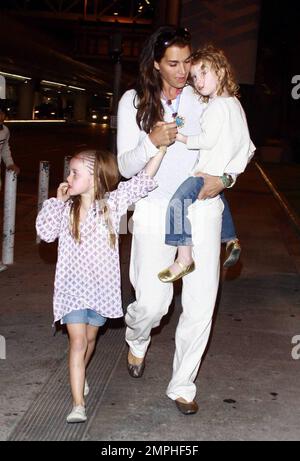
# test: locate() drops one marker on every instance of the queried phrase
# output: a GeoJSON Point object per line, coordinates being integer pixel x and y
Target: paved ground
{"type": "Point", "coordinates": [248, 383]}
{"type": "Point", "coordinates": [286, 177]}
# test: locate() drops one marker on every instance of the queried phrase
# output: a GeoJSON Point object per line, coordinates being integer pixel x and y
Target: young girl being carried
{"type": "Point", "coordinates": [225, 148]}
{"type": "Point", "coordinates": [85, 218]}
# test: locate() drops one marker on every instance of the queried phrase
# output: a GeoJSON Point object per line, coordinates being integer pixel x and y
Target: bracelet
{"type": "Point", "coordinates": [226, 180]}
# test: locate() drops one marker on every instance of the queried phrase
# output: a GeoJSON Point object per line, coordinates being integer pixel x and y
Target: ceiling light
{"type": "Point", "coordinates": [48, 82]}
{"type": "Point", "coordinates": [18, 77]}
{"type": "Point", "coordinates": [76, 88]}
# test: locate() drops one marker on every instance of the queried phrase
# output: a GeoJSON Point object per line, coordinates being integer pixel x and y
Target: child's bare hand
{"type": "Point", "coordinates": [181, 137]}
{"type": "Point", "coordinates": [63, 192]}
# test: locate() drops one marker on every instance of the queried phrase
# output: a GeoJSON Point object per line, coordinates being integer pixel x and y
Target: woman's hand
{"type": "Point", "coordinates": [63, 192]}
{"type": "Point", "coordinates": [212, 186]}
{"type": "Point", "coordinates": [163, 134]}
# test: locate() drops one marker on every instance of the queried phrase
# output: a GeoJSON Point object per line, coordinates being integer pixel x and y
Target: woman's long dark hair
{"type": "Point", "coordinates": [149, 83]}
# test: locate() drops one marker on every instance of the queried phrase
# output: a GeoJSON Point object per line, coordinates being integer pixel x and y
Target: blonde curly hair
{"type": "Point", "coordinates": [216, 59]}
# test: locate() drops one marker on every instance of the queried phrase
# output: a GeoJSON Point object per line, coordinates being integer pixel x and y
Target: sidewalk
{"type": "Point", "coordinates": [248, 383]}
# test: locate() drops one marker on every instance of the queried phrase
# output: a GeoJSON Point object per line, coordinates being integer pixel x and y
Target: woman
{"type": "Point", "coordinates": [148, 118]}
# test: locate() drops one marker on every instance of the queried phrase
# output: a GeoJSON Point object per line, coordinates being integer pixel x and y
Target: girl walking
{"type": "Point", "coordinates": [85, 218]}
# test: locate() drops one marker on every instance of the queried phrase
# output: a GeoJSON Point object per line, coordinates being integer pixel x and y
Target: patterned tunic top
{"type": "Point", "coordinates": [88, 273]}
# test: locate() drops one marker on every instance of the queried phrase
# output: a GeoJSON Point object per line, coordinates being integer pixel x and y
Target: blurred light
{"type": "Point", "coordinates": [94, 116]}
{"type": "Point", "coordinates": [48, 82]}
{"type": "Point", "coordinates": [8, 109]}
{"type": "Point", "coordinates": [19, 77]}
{"type": "Point", "coordinates": [116, 14]}
{"type": "Point", "coordinates": [76, 88]}
{"type": "Point", "coordinates": [105, 117]}
{"type": "Point", "coordinates": [52, 113]}
{"type": "Point", "coordinates": [109, 94]}
{"type": "Point", "coordinates": [36, 111]}
{"type": "Point", "coordinates": [35, 121]}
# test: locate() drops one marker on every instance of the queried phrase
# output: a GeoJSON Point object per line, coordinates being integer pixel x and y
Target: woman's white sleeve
{"type": "Point", "coordinates": [134, 152]}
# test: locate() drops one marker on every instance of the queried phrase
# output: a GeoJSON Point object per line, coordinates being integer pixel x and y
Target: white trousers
{"type": "Point", "coordinates": [149, 255]}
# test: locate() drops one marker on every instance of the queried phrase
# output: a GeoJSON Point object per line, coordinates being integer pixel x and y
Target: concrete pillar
{"type": "Point", "coordinates": [37, 101]}
{"type": "Point", "coordinates": [10, 198]}
{"type": "Point", "coordinates": [173, 12]}
{"type": "Point", "coordinates": [43, 191]}
{"type": "Point", "coordinates": [26, 100]}
{"type": "Point", "coordinates": [66, 166]}
{"type": "Point", "coordinates": [168, 12]}
{"type": "Point", "coordinates": [117, 83]}
{"type": "Point", "coordinates": [2, 87]}
{"type": "Point", "coordinates": [80, 107]}
{"type": "Point", "coordinates": [160, 13]}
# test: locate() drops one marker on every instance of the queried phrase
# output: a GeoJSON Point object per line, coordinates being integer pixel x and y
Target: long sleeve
{"type": "Point", "coordinates": [6, 153]}
{"type": "Point", "coordinates": [224, 141]}
{"type": "Point", "coordinates": [134, 146]}
{"type": "Point", "coordinates": [234, 176]}
{"type": "Point", "coordinates": [251, 151]}
{"type": "Point", "coordinates": [130, 191]}
{"type": "Point", "coordinates": [210, 128]}
{"type": "Point", "coordinates": [247, 152]}
{"type": "Point", "coordinates": [49, 219]}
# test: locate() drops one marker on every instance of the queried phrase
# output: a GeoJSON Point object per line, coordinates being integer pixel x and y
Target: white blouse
{"type": "Point", "coordinates": [223, 138]}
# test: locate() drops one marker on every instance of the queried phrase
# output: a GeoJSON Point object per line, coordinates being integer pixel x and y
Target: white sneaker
{"type": "Point", "coordinates": [77, 415]}
{"type": "Point", "coordinates": [3, 267]}
{"type": "Point", "coordinates": [86, 389]}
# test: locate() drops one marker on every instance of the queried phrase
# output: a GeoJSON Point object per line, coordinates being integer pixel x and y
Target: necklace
{"type": "Point", "coordinates": [178, 119]}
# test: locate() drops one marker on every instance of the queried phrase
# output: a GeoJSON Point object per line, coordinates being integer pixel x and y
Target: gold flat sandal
{"type": "Point", "coordinates": [166, 275]}
{"type": "Point", "coordinates": [233, 251]}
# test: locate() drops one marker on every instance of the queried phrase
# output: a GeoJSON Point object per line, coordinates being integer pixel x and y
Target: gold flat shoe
{"type": "Point", "coordinates": [167, 276]}
{"type": "Point", "coordinates": [233, 251]}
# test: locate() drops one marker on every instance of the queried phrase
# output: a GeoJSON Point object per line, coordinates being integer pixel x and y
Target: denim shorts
{"type": "Point", "coordinates": [84, 316]}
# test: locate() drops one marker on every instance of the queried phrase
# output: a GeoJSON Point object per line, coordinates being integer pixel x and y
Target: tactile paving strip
{"type": "Point", "coordinates": [45, 419]}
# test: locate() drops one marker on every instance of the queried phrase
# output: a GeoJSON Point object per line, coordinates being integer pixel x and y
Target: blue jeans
{"type": "Point", "coordinates": [87, 316]}
{"type": "Point", "coordinates": [178, 227]}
